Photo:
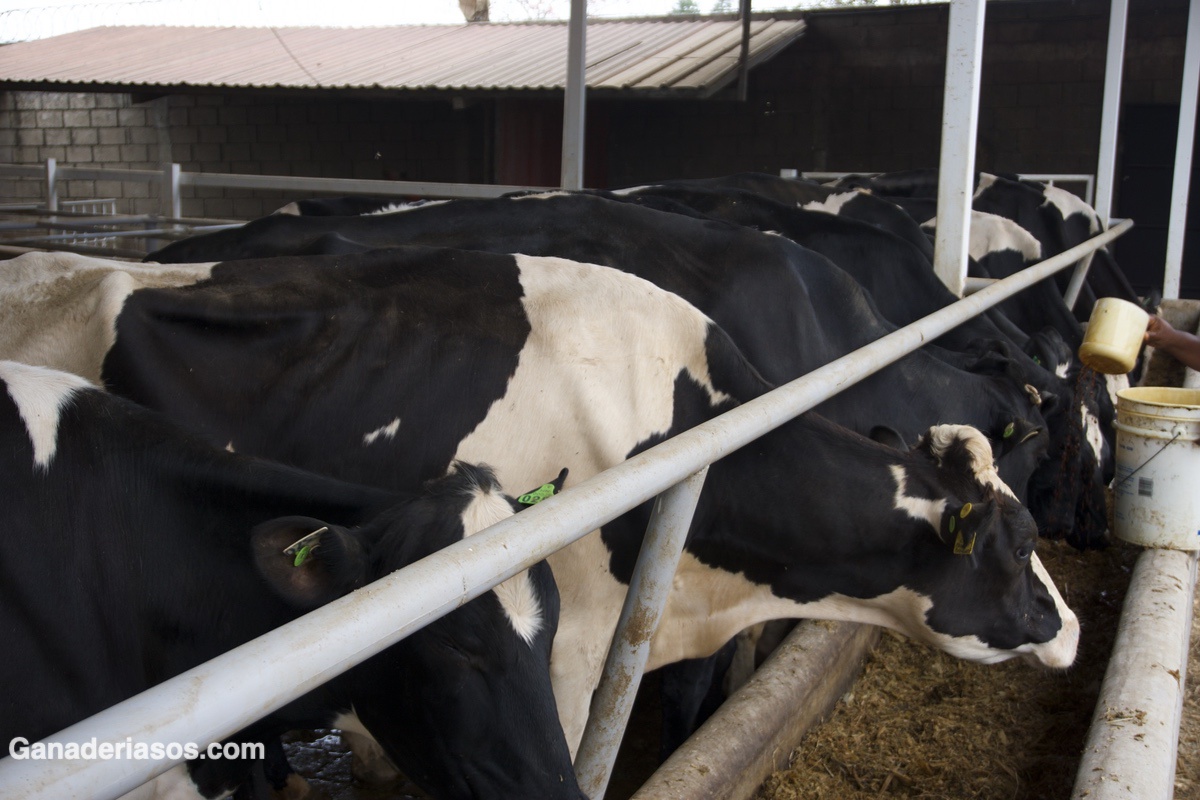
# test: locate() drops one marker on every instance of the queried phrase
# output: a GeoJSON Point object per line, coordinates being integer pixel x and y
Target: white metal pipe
{"type": "Point", "coordinates": [574, 102]}
{"type": "Point", "coordinates": [973, 284]}
{"type": "Point", "coordinates": [1110, 114]}
{"type": "Point", "coordinates": [171, 201]}
{"type": "Point", "coordinates": [51, 185]}
{"type": "Point", "coordinates": [960, 119]}
{"type": "Point", "coordinates": [260, 676]}
{"type": "Point", "coordinates": [645, 600]}
{"type": "Point", "coordinates": [1134, 737]}
{"type": "Point", "coordinates": [1075, 285]}
{"type": "Point", "coordinates": [349, 185]}
{"type": "Point", "coordinates": [1177, 228]}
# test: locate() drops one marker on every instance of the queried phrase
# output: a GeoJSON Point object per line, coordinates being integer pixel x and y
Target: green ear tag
{"type": "Point", "coordinates": [966, 509]}
{"type": "Point", "coordinates": [1008, 429]}
{"type": "Point", "coordinates": [952, 523]}
{"type": "Point", "coordinates": [537, 495]}
{"type": "Point", "coordinates": [963, 548]}
{"type": "Point", "coordinates": [302, 555]}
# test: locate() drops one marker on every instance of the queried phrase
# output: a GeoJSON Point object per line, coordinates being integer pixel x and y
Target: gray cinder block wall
{"type": "Point", "coordinates": [247, 134]}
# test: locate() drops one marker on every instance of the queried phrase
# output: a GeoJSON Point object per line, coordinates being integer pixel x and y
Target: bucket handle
{"type": "Point", "coordinates": [1148, 460]}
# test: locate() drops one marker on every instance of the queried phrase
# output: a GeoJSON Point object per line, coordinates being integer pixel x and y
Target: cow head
{"type": "Point", "coordinates": [463, 706]}
{"type": "Point", "coordinates": [989, 596]}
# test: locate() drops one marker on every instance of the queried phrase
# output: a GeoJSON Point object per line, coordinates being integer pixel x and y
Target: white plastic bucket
{"type": "Point", "coordinates": [1157, 483]}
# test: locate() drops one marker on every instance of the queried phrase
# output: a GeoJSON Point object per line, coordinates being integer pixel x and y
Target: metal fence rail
{"type": "Point", "coordinates": [255, 679]}
{"type": "Point", "coordinates": [1088, 180]}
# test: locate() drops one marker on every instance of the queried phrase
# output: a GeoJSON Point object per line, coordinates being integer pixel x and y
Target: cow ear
{"type": "Point", "coordinates": [535, 496]}
{"type": "Point", "coordinates": [889, 436]}
{"type": "Point", "coordinates": [308, 562]}
{"type": "Point", "coordinates": [961, 524]}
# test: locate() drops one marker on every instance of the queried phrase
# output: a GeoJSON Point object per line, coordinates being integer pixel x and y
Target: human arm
{"type": "Point", "coordinates": [1182, 346]}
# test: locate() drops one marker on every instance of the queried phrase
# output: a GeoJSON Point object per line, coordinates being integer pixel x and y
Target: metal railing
{"type": "Point", "coordinates": [1050, 178]}
{"type": "Point", "coordinates": [170, 224]}
{"type": "Point", "coordinates": [256, 678]}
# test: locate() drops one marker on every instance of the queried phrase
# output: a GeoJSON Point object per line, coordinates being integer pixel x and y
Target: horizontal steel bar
{"type": "Point", "coordinates": [252, 680]}
{"type": "Point", "coordinates": [108, 174]}
{"type": "Point", "coordinates": [399, 189]}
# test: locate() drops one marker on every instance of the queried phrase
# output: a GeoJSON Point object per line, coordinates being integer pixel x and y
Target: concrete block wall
{"type": "Point", "coordinates": [256, 135]}
{"type": "Point", "coordinates": [79, 129]}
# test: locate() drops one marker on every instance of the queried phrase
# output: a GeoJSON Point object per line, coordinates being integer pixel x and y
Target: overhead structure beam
{"type": "Point", "coordinates": [1110, 114]}
{"type": "Point", "coordinates": [1177, 228]}
{"type": "Point", "coordinates": [574, 103]}
{"type": "Point", "coordinates": [960, 120]}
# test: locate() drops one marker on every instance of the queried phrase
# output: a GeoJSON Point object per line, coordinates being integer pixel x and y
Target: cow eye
{"type": "Point", "coordinates": [1024, 551]}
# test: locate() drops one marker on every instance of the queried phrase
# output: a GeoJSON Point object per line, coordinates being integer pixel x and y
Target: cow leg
{"type": "Point", "coordinates": [691, 691]}
{"type": "Point", "coordinates": [368, 763]}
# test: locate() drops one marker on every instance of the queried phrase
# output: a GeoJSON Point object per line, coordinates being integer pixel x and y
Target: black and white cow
{"type": "Point", "coordinates": [390, 365]}
{"type": "Point", "coordinates": [848, 203]}
{"type": "Point", "coordinates": [133, 551]}
{"type": "Point", "coordinates": [789, 309]}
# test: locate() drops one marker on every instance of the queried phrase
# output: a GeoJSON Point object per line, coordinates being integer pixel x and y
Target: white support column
{"type": "Point", "coordinates": [1183, 155]}
{"type": "Point", "coordinates": [51, 185]}
{"type": "Point", "coordinates": [1111, 111]}
{"type": "Point", "coordinates": [573, 104]}
{"type": "Point", "coordinates": [960, 119]}
{"type": "Point", "coordinates": [170, 202]}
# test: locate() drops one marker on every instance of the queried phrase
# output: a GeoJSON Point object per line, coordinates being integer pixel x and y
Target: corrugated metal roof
{"type": "Point", "coordinates": [660, 56]}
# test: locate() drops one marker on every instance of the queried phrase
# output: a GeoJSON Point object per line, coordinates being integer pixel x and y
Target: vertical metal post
{"type": "Point", "coordinates": [644, 604]}
{"type": "Point", "coordinates": [574, 102]}
{"type": "Point", "coordinates": [1183, 155]}
{"type": "Point", "coordinates": [743, 90]}
{"type": "Point", "coordinates": [170, 202]}
{"type": "Point", "coordinates": [1110, 115]}
{"type": "Point", "coordinates": [51, 184]}
{"type": "Point", "coordinates": [960, 119]}
{"type": "Point", "coordinates": [1111, 111]}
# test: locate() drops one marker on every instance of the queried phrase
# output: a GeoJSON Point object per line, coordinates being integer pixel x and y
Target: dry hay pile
{"type": "Point", "coordinates": [925, 725]}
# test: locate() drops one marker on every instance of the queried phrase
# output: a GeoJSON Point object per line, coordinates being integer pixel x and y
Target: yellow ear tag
{"type": "Point", "coordinates": [966, 509]}
{"type": "Point", "coordinates": [961, 547]}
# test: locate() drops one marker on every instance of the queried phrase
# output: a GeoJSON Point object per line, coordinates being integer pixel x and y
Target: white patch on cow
{"type": "Point", "coordinates": [631, 190]}
{"type": "Point", "coordinates": [942, 437]}
{"type": "Point", "coordinates": [921, 508]}
{"type": "Point", "coordinates": [1062, 369]}
{"type": "Point", "coordinates": [1092, 431]}
{"type": "Point", "coordinates": [517, 596]}
{"type": "Point", "coordinates": [985, 182]}
{"type": "Point", "coordinates": [400, 208]}
{"type": "Point", "coordinates": [1114, 384]}
{"type": "Point", "coordinates": [588, 388]}
{"type": "Point", "coordinates": [60, 309]}
{"type": "Point", "coordinates": [831, 204]}
{"type": "Point", "coordinates": [540, 196]}
{"type": "Point", "coordinates": [292, 208]}
{"type": "Point", "coordinates": [991, 233]}
{"type": "Point", "coordinates": [387, 432]}
{"type": "Point", "coordinates": [708, 606]}
{"type": "Point", "coordinates": [1068, 204]}
{"type": "Point", "coordinates": [368, 753]}
{"type": "Point", "coordinates": [40, 395]}
{"type": "Point", "coordinates": [1059, 651]}
{"type": "Point", "coordinates": [174, 784]}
